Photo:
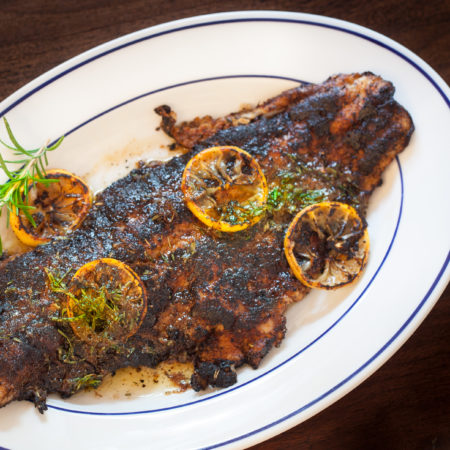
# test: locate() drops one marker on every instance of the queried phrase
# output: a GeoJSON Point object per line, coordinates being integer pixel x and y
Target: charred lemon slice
{"type": "Point", "coordinates": [56, 208]}
{"type": "Point", "coordinates": [327, 245]}
{"type": "Point", "coordinates": [225, 188]}
{"type": "Point", "coordinates": [106, 302]}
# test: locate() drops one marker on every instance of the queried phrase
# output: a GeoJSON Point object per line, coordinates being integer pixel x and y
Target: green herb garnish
{"type": "Point", "coordinates": [96, 307]}
{"type": "Point", "coordinates": [90, 380]}
{"type": "Point", "coordinates": [236, 213]}
{"type": "Point", "coordinates": [32, 163]}
{"type": "Point", "coordinates": [68, 356]}
{"type": "Point", "coordinates": [293, 198]}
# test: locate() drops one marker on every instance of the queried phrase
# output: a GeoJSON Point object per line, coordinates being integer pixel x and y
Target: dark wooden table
{"type": "Point", "coordinates": [405, 404]}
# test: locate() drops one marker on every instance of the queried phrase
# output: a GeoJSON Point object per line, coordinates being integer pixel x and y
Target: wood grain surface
{"type": "Point", "coordinates": [406, 403]}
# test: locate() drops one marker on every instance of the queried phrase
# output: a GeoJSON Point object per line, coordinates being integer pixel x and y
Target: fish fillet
{"type": "Point", "coordinates": [218, 300]}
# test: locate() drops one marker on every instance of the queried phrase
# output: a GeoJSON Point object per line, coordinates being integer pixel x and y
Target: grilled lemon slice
{"type": "Point", "coordinates": [56, 208]}
{"type": "Point", "coordinates": [106, 302]}
{"type": "Point", "coordinates": [327, 245]}
{"type": "Point", "coordinates": [225, 188]}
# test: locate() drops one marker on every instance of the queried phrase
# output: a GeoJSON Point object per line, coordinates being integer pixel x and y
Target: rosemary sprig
{"type": "Point", "coordinates": [14, 192]}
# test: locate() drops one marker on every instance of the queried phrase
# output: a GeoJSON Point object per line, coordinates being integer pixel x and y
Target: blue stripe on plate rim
{"type": "Point", "coordinates": [311, 22]}
{"type": "Point", "coordinates": [221, 22]}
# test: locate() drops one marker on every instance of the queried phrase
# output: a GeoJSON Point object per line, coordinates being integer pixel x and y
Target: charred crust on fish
{"type": "Point", "coordinates": [217, 300]}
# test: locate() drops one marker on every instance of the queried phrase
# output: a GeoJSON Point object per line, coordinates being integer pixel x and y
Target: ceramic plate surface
{"type": "Point", "coordinates": [103, 102]}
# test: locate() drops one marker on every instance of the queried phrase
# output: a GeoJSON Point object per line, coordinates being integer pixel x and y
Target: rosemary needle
{"type": "Point", "coordinates": [14, 192]}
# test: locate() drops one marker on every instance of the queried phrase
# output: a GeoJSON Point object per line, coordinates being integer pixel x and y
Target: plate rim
{"type": "Point", "coordinates": [158, 30]}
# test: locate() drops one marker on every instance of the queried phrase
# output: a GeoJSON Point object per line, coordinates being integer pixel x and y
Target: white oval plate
{"type": "Point", "coordinates": [103, 102]}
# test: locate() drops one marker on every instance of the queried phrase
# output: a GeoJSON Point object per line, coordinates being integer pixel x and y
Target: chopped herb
{"type": "Point", "coordinates": [96, 307]}
{"type": "Point", "coordinates": [67, 356]}
{"type": "Point", "coordinates": [293, 198]}
{"type": "Point", "coordinates": [88, 381]}
{"type": "Point", "coordinates": [274, 198]}
{"type": "Point", "coordinates": [235, 213]}
{"type": "Point", "coordinates": [57, 281]}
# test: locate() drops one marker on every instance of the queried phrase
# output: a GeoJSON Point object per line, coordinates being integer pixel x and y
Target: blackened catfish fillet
{"type": "Point", "coordinates": [216, 299]}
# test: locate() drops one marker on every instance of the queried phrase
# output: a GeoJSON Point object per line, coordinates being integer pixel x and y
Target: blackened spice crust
{"type": "Point", "coordinates": [216, 299]}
